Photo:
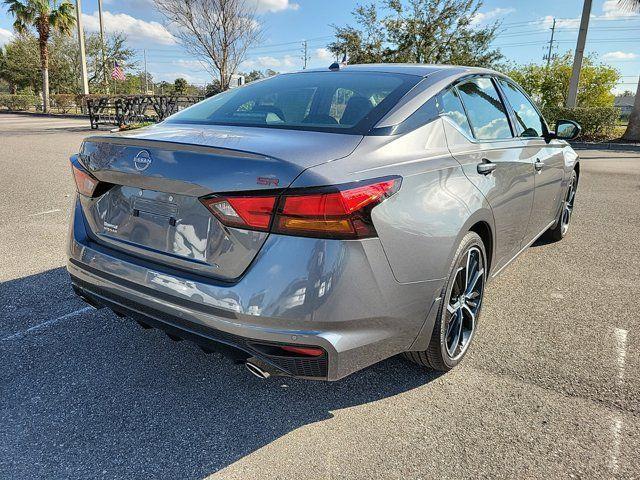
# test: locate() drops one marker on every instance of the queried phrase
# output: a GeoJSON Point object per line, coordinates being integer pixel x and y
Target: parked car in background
{"type": "Point", "coordinates": [321, 221]}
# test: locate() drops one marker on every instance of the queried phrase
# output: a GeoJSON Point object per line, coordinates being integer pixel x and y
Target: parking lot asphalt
{"type": "Point", "coordinates": [550, 388]}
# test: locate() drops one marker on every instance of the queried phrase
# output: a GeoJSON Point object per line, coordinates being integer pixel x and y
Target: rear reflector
{"type": "Point", "coordinates": [307, 351]}
{"type": "Point", "coordinates": [85, 182]}
{"type": "Point", "coordinates": [342, 211]}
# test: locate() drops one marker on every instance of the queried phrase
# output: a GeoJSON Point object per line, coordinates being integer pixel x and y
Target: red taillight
{"type": "Point", "coordinates": [243, 212]}
{"type": "Point", "coordinates": [335, 212]}
{"type": "Point", "coordinates": [342, 211]}
{"type": "Point", "coordinates": [85, 182]}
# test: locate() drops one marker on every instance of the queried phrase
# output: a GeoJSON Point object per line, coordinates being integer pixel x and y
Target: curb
{"type": "Point", "coordinates": [80, 116]}
{"type": "Point", "coordinates": [629, 147]}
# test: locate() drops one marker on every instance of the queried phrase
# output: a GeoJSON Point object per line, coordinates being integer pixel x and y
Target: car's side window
{"type": "Point", "coordinates": [527, 117]}
{"type": "Point", "coordinates": [486, 112]}
{"type": "Point", "coordinates": [451, 106]}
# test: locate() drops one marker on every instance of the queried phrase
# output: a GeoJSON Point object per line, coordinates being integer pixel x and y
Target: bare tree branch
{"type": "Point", "coordinates": [218, 32]}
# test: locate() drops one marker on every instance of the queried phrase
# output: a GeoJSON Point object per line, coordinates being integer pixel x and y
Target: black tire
{"type": "Point", "coordinates": [437, 356]}
{"type": "Point", "coordinates": [559, 231]}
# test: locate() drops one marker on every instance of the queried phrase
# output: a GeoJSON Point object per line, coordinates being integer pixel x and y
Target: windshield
{"type": "Point", "coordinates": [344, 102]}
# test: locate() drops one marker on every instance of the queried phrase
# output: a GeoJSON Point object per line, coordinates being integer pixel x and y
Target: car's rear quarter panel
{"type": "Point", "coordinates": [421, 224]}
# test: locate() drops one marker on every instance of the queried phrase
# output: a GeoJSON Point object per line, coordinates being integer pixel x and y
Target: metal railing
{"type": "Point", "coordinates": [127, 109]}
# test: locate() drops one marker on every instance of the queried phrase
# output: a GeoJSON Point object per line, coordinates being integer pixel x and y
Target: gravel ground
{"type": "Point", "coordinates": [550, 388]}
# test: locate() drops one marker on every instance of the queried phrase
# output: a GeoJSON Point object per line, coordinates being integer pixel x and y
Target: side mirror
{"type": "Point", "coordinates": [567, 130]}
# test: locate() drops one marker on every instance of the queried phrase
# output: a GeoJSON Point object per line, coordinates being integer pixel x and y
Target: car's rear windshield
{"type": "Point", "coordinates": [342, 102]}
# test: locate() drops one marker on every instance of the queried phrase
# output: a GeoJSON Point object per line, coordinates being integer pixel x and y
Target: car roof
{"type": "Point", "coordinates": [418, 69]}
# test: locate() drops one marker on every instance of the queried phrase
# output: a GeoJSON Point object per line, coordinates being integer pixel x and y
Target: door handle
{"type": "Point", "coordinates": [486, 167]}
{"type": "Point", "coordinates": [538, 165]}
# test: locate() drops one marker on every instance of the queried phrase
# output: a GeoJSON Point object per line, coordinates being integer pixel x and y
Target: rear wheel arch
{"type": "Point", "coordinates": [483, 229]}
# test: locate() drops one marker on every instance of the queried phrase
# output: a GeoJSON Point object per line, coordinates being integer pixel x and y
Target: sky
{"type": "Point", "coordinates": [614, 33]}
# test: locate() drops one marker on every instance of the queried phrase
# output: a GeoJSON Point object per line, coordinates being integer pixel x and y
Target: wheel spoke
{"type": "Point", "coordinates": [471, 314]}
{"type": "Point", "coordinates": [454, 330]}
{"type": "Point", "coordinates": [458, 283]}
{"type": "Point", "coordinates": [474, 281]}
{"type": "Point", "coordinates": [452, 309]}
{"type": "Point", "coordinates": [471, 265]}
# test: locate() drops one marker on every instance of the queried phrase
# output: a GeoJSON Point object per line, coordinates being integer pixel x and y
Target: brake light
{"type": "Point", "coordinates": [342, 211]}
{"type": "Point", "coordinates": [85, 182]}
{"type": "Point", "coordinates": [334, 212]}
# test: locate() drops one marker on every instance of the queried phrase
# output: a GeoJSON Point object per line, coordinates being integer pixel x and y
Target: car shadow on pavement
{"type": "Point", "coordinates": [94, 395]}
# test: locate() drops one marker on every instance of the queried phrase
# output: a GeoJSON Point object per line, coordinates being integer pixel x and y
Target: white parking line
{"type": "Point", "coordinates": [615, 448]}
{"type": "Point", "coordinates": [46, 324]}
{"type": "Point", "coordinates": [44, 213]}
{"type": "Point", "coordinates": [620, 335]}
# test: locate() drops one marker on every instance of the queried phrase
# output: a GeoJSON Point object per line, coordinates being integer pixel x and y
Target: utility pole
{"type": "Point", "coordinates": [83, 58]}
{"type": "Point", "coordinates": [146, 78]}
{"type": "Point", "coordinates": [577, 59]}
{"type": "Point", "coordinates": [104, 60]}
{"type": "Point", "coordinates": [553, 30]}
{"type": "Point", "coordinates": [305, 54]}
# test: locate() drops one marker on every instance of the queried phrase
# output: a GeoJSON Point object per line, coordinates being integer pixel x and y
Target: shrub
{"type": "Point", "coordinates": [63, 101]}
{"type": "Point", "coordinates": [17, 102]}
{"type": "Point", "coordinates": [598, 123]}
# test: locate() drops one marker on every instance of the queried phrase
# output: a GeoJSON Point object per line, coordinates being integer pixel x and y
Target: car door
{"type": "Point", "coordinates": [547, 157]}
{"type": "Point", "coordinates": [479, 135]}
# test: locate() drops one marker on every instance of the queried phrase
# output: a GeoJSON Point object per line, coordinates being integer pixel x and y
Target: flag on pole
{"type": "Point", "coordinates": [117, 73]}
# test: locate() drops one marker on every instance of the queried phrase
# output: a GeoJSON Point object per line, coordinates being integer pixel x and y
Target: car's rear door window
{"type": "Point", "coordinates": [485, 110]}
{"type": "Point", "coordinates": [529, 122]}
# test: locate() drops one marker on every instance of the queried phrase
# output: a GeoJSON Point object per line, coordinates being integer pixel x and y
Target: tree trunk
{"type": "Point", "coordinates": [44, 64]}
{"type": "Point", "coordinates": [633, 128]}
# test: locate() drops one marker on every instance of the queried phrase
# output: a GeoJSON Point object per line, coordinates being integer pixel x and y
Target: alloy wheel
{"type": "Point", "coordinates": [463, 304]}
{"type": "Point", "coordinates": [567, 208]}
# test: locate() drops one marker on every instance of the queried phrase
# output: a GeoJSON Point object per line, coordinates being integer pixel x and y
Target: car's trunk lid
{"type": "Point", "coordinates": [158, 174]}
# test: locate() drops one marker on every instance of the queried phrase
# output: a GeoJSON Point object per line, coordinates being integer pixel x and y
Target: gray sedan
{"type": "Point", "coordinates": [317, 222]}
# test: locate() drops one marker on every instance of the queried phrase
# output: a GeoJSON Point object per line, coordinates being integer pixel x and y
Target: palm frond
{"type": "Point", "coordinates": [63, 18]}
{"type": "Point", "coordinates": [630, 5]}
{"type": "Point", "coordinates": [23, 12]}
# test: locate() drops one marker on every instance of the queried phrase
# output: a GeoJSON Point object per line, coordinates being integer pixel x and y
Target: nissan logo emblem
{"type": "Point", "coordinates": [142, 160]}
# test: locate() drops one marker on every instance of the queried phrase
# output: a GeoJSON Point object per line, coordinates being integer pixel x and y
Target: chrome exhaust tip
{"type": "Point", "coordinates": [257, 370]}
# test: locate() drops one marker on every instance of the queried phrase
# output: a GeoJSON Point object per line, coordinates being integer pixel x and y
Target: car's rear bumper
{"type": "Point", "coordinates": [337, 295]}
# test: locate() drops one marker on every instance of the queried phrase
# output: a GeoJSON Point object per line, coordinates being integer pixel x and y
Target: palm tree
{"type": "Point", "coordinates": [633, 128]}
{"type": "Point", "coordinates": [45, 16]}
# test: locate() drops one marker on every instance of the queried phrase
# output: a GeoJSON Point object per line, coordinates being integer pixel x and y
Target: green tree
{"type": "Point", "coordinates": [46, 16]}
{"type": "Point", "coordinates": [20, 65]}
{"type": "Point", "coordinates": [420, 31]}
{"type": "Point", "coordinates": [180, 86]}
{"type": "Point", "coordinates": [549, 86]}
{"type": "Point", "coordinates": [116, 50]}
{"type": "Point", "coordinates": [254, 75]}
{"type": "Point", "coordinates": [212, 89]}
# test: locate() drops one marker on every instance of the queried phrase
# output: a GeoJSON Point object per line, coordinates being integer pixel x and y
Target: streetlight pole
{"type": "Point", "coordinates": [577, 59]}
{"type": "Point", "coordinates": [146, 76]}
{"type": "Point", "coordinates": [104, 60]}
{"type": "Point", "coordinates": [83, 58]}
